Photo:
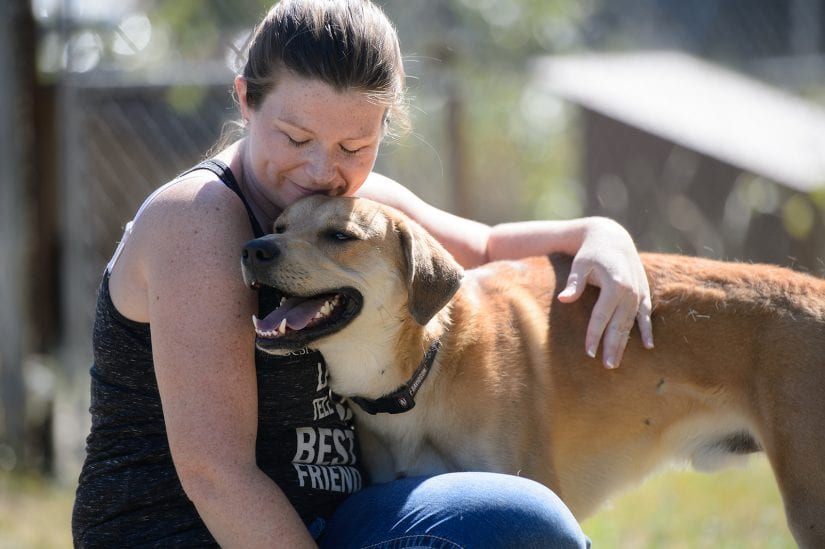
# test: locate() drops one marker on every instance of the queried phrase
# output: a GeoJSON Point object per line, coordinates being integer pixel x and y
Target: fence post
{"type": "Point", "coordinates": [15, 149]}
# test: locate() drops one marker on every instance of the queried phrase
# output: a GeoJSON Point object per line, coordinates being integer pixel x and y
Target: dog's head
{"type": "Point", "coordinates": [346, 266]}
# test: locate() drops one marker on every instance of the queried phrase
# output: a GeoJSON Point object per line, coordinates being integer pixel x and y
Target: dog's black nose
{"type": "Point", "coordinates": [260, 250]}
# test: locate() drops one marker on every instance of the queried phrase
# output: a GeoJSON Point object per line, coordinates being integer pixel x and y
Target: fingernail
{"type": "Point", "coordinates": [591, 352]}
{"type": "Point", "coordinates": [609, 364]}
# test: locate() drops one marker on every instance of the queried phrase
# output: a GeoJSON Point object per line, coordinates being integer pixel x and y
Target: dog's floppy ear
{"type": "Point", "coordinates": [433, 275]}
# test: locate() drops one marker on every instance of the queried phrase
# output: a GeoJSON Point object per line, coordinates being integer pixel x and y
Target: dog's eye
{"type": "Point", "coordinates": [278, 229]}
{"type": "Point", "coordinates": [340, 236]}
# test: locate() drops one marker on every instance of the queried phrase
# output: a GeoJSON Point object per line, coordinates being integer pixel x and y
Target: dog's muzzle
{"type": "Point", "coordinates": [257, 258]}
{"type": "Point", "coordinates": [299, 314]}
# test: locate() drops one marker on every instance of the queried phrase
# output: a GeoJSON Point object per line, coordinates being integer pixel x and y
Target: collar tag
{"type": "Point", "coordinates": [402, 399]}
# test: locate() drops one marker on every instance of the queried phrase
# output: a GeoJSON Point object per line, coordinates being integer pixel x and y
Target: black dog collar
{"type": "Point", "coordinates": [403, 398]}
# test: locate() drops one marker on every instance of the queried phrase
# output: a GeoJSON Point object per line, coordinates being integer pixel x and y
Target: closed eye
{"type": "Point", "coordinates": [295, 142]}
{"type": "Point", "coordinates": [349, 151]}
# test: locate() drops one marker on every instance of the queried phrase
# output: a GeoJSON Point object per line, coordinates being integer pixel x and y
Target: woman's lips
{"type": "Point", "coordinates": [304, 190]}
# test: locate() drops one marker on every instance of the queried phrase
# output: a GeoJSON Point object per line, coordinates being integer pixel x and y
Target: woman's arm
{"type": "Point", "coordinates": [604, 256]}
{"type": "Point", "coordinates": [199, 310]}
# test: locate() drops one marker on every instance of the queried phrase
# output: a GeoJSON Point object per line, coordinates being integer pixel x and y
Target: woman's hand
{"type": "Point", "coordinates": [608, 259]}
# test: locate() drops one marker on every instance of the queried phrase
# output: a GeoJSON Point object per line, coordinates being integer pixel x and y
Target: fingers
{"type": "Point", "coordinates": [574, 289]}
{"type": "Point", "coordinates": [611, 322]}
{"type": "Point", "coordinates": [619, 305]}
{"type": "Point", "coordinates": [602, 311]}
{"type": "Point", "coordinates": [644, 321]}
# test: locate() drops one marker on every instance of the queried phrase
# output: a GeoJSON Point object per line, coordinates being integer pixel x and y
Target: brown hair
{"type": "Point", "coordinates": [347, 44]}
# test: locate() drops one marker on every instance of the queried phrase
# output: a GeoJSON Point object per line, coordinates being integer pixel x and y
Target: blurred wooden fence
{"type": "Point", "coordinates": [16, 159]}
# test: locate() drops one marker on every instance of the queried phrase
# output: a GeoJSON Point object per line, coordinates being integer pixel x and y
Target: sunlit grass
{"type": "Point", "coordinates": [738, 508]}
{"type": "Point", "coordinates": [34, 513]}
{"type": "Point", "coordinates": [735, 508]}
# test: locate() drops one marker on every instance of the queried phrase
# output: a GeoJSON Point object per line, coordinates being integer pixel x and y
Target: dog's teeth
{"type": "Point", "coordinates": [326, 309]}
{"type": "Point", "coordinates": [282, 327]}
{"type": "Point", "coordinates": [283, 300]}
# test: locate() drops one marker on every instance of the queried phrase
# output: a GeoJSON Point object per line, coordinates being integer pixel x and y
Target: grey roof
{"type": "Point", "coordinates": [704, 107]}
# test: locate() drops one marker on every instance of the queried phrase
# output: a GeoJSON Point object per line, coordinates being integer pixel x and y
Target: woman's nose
{"type": "Point", "coordinates": [321, 168]}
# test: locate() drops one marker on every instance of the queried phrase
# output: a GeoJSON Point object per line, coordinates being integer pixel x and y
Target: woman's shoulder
{"type": "Point", "coordinates": [195, 199]}
{"type": "Point", "coordinates": [192, 217]}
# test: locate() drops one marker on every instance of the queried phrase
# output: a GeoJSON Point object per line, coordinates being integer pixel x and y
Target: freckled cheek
{"type": "Point", "coordinates": [275, 158]}
{"type": "Point", "coordinates": [356, 174]}
{"type": "Point", "coordinates": [264, 162]}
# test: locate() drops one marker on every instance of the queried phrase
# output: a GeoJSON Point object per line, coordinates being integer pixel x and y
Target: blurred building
{"type": "Point", "coordinates": [696, 158]}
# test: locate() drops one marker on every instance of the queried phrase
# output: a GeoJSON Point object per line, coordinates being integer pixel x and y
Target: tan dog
{"type": "Point", "coordinates": [739, 363]}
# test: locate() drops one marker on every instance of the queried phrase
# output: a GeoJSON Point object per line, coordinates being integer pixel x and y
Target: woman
{"type": "Point", "coordinates": [196, 437]}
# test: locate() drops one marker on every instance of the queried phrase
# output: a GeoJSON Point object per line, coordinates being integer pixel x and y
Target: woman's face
{"type": "Point", "coordinates": [306, 138]}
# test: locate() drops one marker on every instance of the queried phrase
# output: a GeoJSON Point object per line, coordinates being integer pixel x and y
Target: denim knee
{"type": "Point", "coordinates": [468, 510]}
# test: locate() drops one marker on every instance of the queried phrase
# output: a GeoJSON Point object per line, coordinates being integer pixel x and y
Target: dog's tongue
{"type": "Point", "coordinates": [297, 312]}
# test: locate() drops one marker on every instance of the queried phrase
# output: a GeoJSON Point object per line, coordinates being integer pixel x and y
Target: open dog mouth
{"type": "Point", "coordinates": [297, 321]}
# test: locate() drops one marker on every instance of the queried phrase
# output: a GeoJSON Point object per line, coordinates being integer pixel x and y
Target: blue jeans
{"type": "Point", "coordinates": [452, 511]}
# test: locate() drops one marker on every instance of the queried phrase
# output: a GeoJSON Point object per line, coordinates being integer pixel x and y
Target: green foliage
{"type": "Point", "coordinates": [197, 25]}
{"type": "Point", "coordinates": [186, 99]}
{"type": "Point", "coordinates": [521, 149]}
{"type": "Point", "coordinates": [798, 216]}
{"type": "Point", "coordinates": [513, 30]}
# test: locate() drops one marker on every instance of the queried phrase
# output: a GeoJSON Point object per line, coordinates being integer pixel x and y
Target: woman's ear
{"type": "Point", "coordinates": [240, 89]}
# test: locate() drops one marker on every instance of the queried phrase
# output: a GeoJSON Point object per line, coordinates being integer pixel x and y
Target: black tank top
{"type": "Point", "coordinates": [129, 494]}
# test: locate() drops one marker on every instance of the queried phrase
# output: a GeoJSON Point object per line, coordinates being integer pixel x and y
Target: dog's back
{"type": "Point", "coordinates": [737, 368]}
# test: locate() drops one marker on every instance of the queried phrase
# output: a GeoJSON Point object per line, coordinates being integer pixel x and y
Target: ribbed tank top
{"type": "Point", "coordinates": [129, 494]}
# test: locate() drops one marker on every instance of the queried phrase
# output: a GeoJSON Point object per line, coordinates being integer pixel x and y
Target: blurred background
{"type": "Point", "coordinates": [698, 124]}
